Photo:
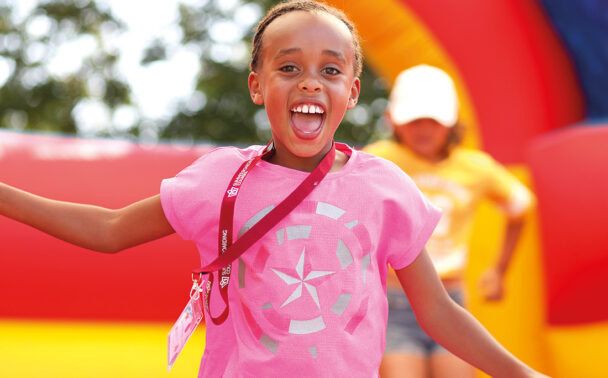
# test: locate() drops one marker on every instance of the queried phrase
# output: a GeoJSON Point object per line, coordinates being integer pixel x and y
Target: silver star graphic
{"type": "Point", "coordinates": [289, 280]}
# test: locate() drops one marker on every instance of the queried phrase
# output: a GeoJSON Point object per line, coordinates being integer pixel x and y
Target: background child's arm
{"type": "Point", "coordinates": [517, 202]}
{"type": "Point", "coordinates": [452, 326]}
{"type": "Point", "coordinates": [491, 281]}
{"type": "Point", "coordinates": [88, 226]}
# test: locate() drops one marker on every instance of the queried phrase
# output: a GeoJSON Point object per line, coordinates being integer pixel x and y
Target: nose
{"type": "Point", "coordinates": [310, 84]}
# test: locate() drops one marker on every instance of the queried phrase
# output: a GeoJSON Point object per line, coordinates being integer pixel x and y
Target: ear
{"type": "Point", "coordinates": [255, 89]}
{"type": "Point", "coordinates": [355, 89]}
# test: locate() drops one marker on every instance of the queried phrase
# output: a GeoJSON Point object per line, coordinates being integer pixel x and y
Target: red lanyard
{"type": "Point", "coordinates": [229, 252]}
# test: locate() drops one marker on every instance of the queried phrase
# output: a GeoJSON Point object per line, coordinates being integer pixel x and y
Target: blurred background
{"type": "Point", "coordinates": [100, 100]}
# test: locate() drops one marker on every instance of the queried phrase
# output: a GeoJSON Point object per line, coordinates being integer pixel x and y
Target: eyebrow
{"type": "Point", "coordinates": [288, 51]}
{"type": "Point", "coordinates": [336, 54]}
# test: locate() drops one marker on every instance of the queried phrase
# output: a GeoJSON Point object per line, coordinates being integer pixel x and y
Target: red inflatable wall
{"type": "Point", "coordinates": [517, 71]}
{"type": "Point", "coordinates": [42, 277]}
{"type": "Point", "coordinates": [570, 171]}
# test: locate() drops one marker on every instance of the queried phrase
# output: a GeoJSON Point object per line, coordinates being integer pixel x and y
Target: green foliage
{"type": "Point", "coordinates": [33, 97]}
{"type": "Point", "coordinates": [219, 110]}
{"type": "Point", "coordinates": [229, 115]}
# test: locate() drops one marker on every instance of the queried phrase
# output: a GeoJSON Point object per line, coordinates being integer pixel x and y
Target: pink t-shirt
{"type": "Point", "coordinates": [309, 298]}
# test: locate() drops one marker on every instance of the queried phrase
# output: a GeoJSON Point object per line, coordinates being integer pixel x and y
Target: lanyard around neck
{"type": "Point", "coordinates": [229, 252]}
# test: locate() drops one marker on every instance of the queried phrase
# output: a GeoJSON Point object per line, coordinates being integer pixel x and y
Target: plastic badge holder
{"type": "Point", "coordinates": [184, 327]}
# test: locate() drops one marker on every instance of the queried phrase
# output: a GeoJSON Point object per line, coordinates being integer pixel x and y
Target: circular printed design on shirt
{"type": "Point", "coordinates": [307, 278]}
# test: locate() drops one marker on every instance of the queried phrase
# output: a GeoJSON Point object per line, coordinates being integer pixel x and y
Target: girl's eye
{"type": "Point", "coordinates": [331, 71]}
{"type": "Point", "coordinates": [288, 68]}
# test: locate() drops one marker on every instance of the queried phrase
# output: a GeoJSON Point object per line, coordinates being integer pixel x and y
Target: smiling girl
{"type": "Point", "coordinates": [308, 297]}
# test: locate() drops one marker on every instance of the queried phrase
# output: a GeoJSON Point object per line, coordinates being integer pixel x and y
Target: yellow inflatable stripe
{"type": "Point", "coordinates": [517, 321]}
{"type": "Point", "coordinates": [579, 351]}
{"type": "Point", "coordinates": [88, 349]}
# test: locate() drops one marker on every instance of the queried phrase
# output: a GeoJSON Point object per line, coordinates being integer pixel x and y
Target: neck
{"type": "Point", "coordinates": [436, 158]}
{"type": "Point", "coordinates": [286, 159]}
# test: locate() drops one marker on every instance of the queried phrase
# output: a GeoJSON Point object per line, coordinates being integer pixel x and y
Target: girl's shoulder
{"type": "Point", "coordinates": [226, 156]}
{"type": "Point", "coordinates": [216, 165]}
{"type": "Point", "coordinates": [368, 158]}
{"type": "Point", "coordinates": [380, 170]}
{"type": "Point", "coordinates": [234, 152]}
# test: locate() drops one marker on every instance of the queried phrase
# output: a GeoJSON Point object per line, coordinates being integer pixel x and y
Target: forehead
{"type": "Point", "coordinates": [307, 31]}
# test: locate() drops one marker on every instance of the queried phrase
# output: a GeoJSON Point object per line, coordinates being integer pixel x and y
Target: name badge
{"type": "Point", "coordinates": [184, 327]}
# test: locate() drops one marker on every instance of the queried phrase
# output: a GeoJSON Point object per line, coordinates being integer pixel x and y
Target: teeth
{"type": "Point", "coordinates": [310, 109]}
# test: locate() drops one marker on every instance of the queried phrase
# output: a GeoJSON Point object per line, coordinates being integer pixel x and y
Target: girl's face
{"type": "Point", "coordinates": [305, 79]}
{"type": "Point", "coordinates": [426, 137]}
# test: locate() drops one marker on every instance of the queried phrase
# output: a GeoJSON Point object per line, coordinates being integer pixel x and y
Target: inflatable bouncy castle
{"type": "Point", "coordinates": [531, 76]}
{"type": "Point", "coordinates": [529, 97]}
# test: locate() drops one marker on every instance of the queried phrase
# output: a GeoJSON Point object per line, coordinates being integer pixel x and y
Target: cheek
{"type": "Point", "coordinates": [275, 108]}
{"type": "Point", "coordinates": [442, 137]}
{"type": "Point", "coordinates": [403, 134]}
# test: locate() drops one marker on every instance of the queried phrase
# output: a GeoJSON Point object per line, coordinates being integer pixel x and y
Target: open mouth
{"type": "Point", "coordinates": [307, 120]}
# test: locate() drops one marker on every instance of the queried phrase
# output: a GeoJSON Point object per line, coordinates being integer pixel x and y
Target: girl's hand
{"type": "Point", "coordinates": [491, 285]}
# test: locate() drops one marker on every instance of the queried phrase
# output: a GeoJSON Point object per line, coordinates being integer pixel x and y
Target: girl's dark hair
{"type": "Point", "coordinates": [455, 136]}
{"type": "Point", "coordinates": [304, 6]}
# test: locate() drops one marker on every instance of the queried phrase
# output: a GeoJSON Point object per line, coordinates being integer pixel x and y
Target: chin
{"type": "Point", "coordinates": [308, 150]}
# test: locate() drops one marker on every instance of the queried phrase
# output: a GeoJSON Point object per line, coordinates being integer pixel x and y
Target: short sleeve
{"type": "Point", "coordinates": [417, 225]}
{"type": "Point", "coordinates": [409, 218]}
{"type": "Point", "coordinates": [168, 197]}
{"type": "Point", "coordinates": [191, 200]}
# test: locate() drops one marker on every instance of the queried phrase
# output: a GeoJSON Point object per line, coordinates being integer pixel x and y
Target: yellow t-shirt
{"type": "Point", "coordinates": [457, 185]}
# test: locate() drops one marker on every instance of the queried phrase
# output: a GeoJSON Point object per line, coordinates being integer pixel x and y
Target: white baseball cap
{"type": "Point", "coordinates": [423, 91]}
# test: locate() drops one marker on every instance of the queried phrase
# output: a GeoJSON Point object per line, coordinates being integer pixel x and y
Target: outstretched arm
{"type": "Point", "coordinates": [452, 326]}
{"type": "Point", "coordinates": [88, 226]}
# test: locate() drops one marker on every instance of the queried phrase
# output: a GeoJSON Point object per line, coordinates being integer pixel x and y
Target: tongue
{"type": "Point", "coordinates": [307, 123]}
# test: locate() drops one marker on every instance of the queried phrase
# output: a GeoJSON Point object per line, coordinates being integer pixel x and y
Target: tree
{"type": "Point", "coordinates": [34, 95]}
{"type": "Point", "coordinates": [37, 90]}
{"type": "Point", "coordinates": [226, 113]}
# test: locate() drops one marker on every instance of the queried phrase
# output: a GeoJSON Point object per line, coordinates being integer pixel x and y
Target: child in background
{"type": "Point", "coordinates": [423, 113]}
{"type": "Point", "coordinates": [308, 298]}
